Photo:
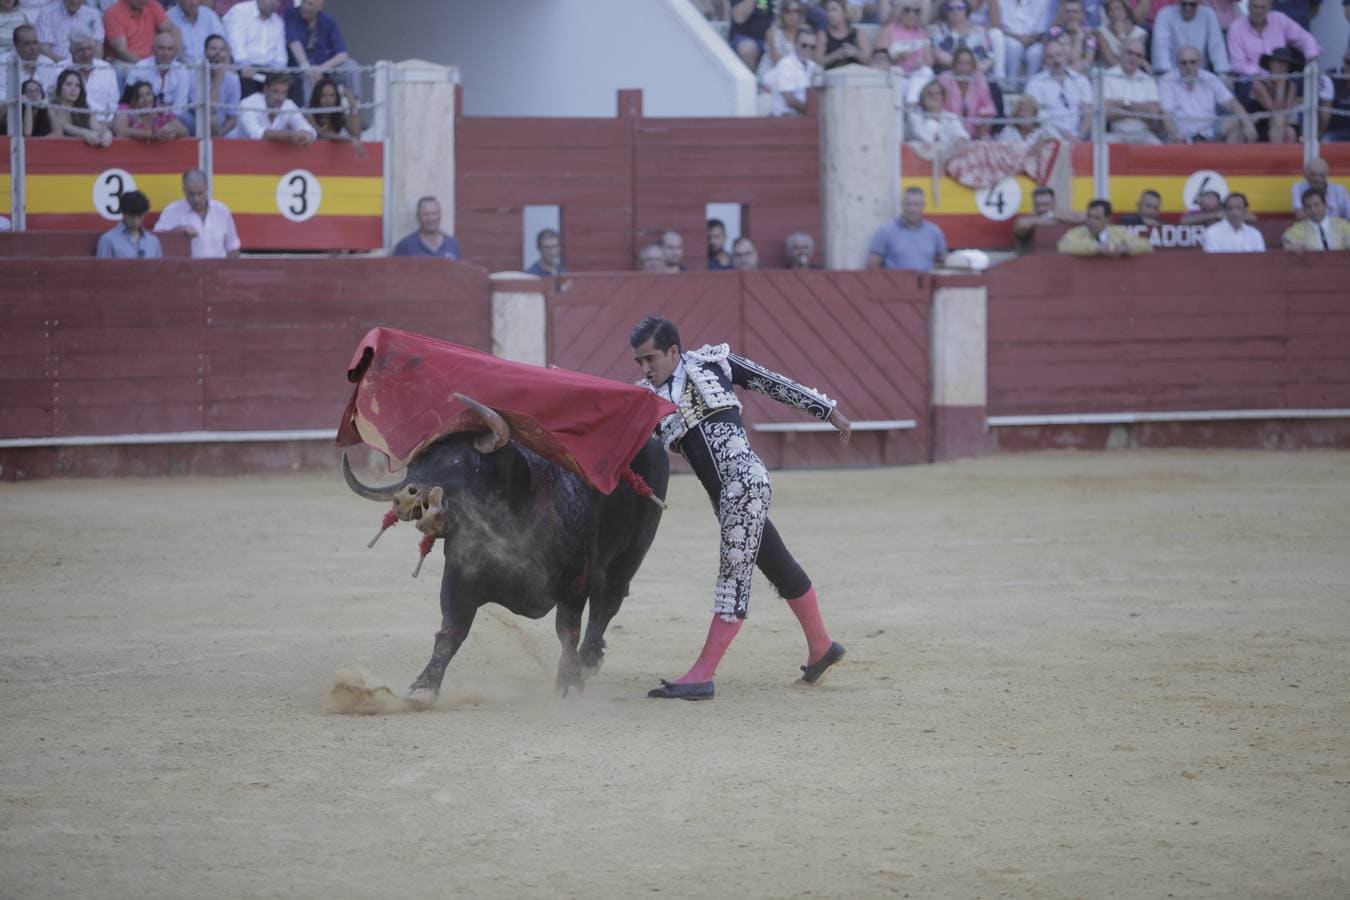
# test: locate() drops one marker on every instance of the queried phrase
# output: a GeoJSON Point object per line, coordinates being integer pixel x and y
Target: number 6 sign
{"type": "Point", "coordinates": [299, 195]}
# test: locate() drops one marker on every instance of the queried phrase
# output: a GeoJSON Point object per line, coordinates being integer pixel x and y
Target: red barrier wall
{"type": "Point", "coordinates": [213, 345]}
{"type": "Point", "coordinates": [1181, 331]}
{"type": "Point", "coordinates": [862, 337]}
{"type": "Point", "coordinates": [621, 182]}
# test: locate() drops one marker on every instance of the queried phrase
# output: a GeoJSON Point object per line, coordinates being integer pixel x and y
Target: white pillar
{"type": "Point", "coordinates": [960, 353]}
{"type": "Point", "coordinates": [519, 318]}
{"type": "Point", "coordinates": [421, 144]}
{"type": "Point", "coordinates": [859, 162]}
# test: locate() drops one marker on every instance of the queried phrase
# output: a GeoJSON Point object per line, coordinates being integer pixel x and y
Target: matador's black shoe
{"type": "Point", "coordinates": [811, 674]}
{"type": "Point", "coordinates": [699, 690]}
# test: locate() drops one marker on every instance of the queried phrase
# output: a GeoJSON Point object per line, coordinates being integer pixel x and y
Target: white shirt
{"type": "Point", "coordinates": [1061, 101]}
{"type": "Point", "coordinates": [216, 235]}
{"type": "Point", "coordinates": [255, 41]}
{"type": "Point", "coordinates": [255, 118]}
{"type": "Point", "coordinates": [1223, 238]}
{"type": "Point", "coordinates": [173, 86]}
{"type": "Point", "coordinates": [1025, 16]}
{"type": "Point", "coordinates": [194, 34]}
{"type": "Point", "coordinates": [54, 24]}
{"type": "Point", "coordinates": [945, 128]}
{"type": "Point", "coordinates": [789, 76]}
{"type": "Point", "coordinates": [100, 90]}
{"type": "Point", "coordinates": [1137, 88]}
{"type": "Point", "coordinates": [43, 70]}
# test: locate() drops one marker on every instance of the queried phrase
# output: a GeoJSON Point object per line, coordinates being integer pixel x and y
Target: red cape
{"type": "Point", "coordinates": [403, 401]}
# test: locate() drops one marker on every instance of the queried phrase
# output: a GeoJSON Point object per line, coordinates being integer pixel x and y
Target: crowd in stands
{"type": "Point", "coordinates": [95, 69]}
{"type": "Point", "coordinates": [1172, 70]}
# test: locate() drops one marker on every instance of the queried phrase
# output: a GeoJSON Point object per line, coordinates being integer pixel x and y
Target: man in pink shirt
{"type": "Point", "coordinates": [1261, 32]}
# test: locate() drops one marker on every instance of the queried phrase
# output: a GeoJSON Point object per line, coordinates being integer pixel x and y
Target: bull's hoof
{"type": "Point", "coordinates": [422, 697]}
{"type": "Point", "coordinates": [699, 690]}
{"type": "Point", "coordinates": [811, 673]}
{"type": "Point", "coordinates": [569, 678]}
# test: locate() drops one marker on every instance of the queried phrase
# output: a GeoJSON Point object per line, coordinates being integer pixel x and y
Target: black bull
{"type": "Point", "coordinates": [527, 534]}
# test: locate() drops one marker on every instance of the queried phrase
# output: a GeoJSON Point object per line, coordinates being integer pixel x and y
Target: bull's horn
{"type": "Point", "coordinates": [500, 431]}
{"type": "Point", "coordinates": [370, 493]}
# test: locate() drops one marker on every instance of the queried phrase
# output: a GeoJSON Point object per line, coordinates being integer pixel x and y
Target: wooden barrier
{"type": "Point", "coordinates": [47, 244]}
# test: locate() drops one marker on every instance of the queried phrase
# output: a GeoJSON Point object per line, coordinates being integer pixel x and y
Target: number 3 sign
{"type": "Point", "coordinates": [299, 195]}
{"type": "Point", "coordinates": [109, 187]}
{"type": "Point", "coordinates": [1002, 201]}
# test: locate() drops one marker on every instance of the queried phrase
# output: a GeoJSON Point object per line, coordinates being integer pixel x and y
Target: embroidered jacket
{"type": "Point", "coordinates": [702, 385]}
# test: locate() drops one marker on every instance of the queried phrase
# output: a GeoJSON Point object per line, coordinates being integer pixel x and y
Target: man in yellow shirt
{"type": "Point", "coordinates": [1097, 238]}
{"type": "Point", "coordinates": [1317, 230]}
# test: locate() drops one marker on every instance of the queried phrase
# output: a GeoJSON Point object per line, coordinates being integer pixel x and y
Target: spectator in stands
{"type": "Point", "coordinates": [36, 120]}
{"type": "Point", "coordinates": [1095, 237]}
{"type": "Point", "coordinates": [968, 94]}
{"type": "Point", "coordinates": [1210, 210]}
{"type": "Point", "coordinates": [909, 46]}
{"type": "Point", "coordinates": [549, 244]}
{"type": "Point", "coordinates": [909, 242]}
{"type": "Point", "coordinates": [652, 258]}
{"type": "Point", "coordinates": [1316, 175]}
{"type": "Point", "coordinates": [1279, 95]}
{"type": "Point", "coordinates": [100, 80]}
{"type": "Point", "coordinates": [789, 79]}
{"type": "Point", "coordinates": [1188, 24]}
{"type": "Point", "coordinates": [129, 239]}
{"type": "Point", "coordinates": [1232, 234]}
{"type": "Point", "coordinates": [1261, 31]}
{"type": "Point", "coordinates": [932, 124]}
{"type": "Point", "coordinates": [1301, 11]}
{"type": "Point", "coordinates": [718, 257]}
{"type": "Point", "coordinates": [225, 88]}
{"type": "Point", "coordinates": [315, 44]}
{"type": "Point", "coordinates": [1146, 211]}
{"type": "Point", "coordinates": [1119, 27]}
{"type": "Point", "coordinates": [1228, 11]}
{"type": "Point", "coordinates": [1190, 95]}
{"type": "Point", "coordinates": [750, 22]}
{"type": "Point", "coordinates": [1078, 39]}
{"type": "Point", "coordinates": [428, 239]}
{"type": "Point", "coordinates": [954, 31]}
{"type": "Point", "coordinates": [195, 23]}
{"type": "Point", "coordinates": [271, 116]}
{"type": "Point", "coordinates": [1133, 109]}
{"type": "Point", "coordinates": [1027, 126]}
{"type": "Point", "coordinates": [76, 122]}
{"type": "Point", "coordinates": [130, 26]}
{"type": "Point", "coordinates": [782, 35]}
{"type": "Point", "coordinates": [169, 79]}
{"type": "Point", "coordinates": [148, 124]}
{"type": "Point", "coordinates": [338, 118]}
{"type": "Point", "coordinates": [744, 255]}
{"type": "Point", "coordinates": [1023, 25]}
{"type": "Point", "coordinates": [11, 17]}
{"type": "Point", "coordinates": [257, 39]}
{"type": "Point", "coordinates": [204, 219]}
{"type": "Point", "coordinates": [1317, 230]}
{"type": "Point", "coordinates": [1336, 108]}
{"type": "Point", "coordinates": [32, 65]}
{"type": "Point", "coordinates": [800, 247]}
{"type": "Point", "coordinates": [1043, 212]}
{"type": "Point", "coordinates": [1065, 96]}
{"type": "Point", "coordinates": [840, 44]}
{"type": "Point", "coordinates": [672, 249]}
{"type": "Point", "coordinates": [56, 21]}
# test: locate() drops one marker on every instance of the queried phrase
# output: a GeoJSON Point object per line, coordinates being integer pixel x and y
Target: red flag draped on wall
{"type": "Point", "coordinates": [404, 400]}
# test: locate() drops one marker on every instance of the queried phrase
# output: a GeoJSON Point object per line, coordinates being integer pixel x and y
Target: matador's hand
{"type": "Point", "coordinates": [841, 422]}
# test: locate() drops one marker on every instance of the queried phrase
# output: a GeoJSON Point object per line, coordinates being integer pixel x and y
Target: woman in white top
{"type": "Point", "coordinates": [932, 123]}
{"type": "Point", "coordinates": [1118, 28]}
{"type": "Point", "coordinates": [782, 35]}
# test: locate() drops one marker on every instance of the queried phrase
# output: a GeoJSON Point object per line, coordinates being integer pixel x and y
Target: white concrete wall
{"type": "Point", "coordinates": [559, 57]}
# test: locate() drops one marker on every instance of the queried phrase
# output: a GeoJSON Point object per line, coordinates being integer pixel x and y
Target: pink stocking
{"type": "Point", "coordinates": [720, 636]}
{"type": "Point", "coordinates": [807, 611]}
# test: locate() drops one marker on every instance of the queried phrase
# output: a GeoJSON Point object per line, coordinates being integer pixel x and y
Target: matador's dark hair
{"type": "Point", "coordinates": [659, 330]}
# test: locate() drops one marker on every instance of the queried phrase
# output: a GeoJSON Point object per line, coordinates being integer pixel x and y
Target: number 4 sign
{"type": "Point", "coordinates": [1000, 202]}
{"type": "Point", "coordinates": [299, 195]}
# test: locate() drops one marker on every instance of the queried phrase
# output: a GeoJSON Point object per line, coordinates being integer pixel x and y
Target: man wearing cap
{"type": "Point", "coordinates": [129, 239]}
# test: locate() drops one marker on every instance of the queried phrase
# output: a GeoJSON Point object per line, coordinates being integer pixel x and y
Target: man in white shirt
{"type": "Point", "coordinates": [100, 79]}
{"type": "Point", "coordinates": [1130, 94]}
{"type": "Point", "coordinates": [207, 221]}
{"type": "Point", "coordinates": [196, 22]}
{"type": "Point", "coordinates": [1064, 95]}
{"type": "Point", "coordinates": [1190, 95]}
{"type": "Point", "coordinates": [1232, 234]}
{"type": "Point", "coordinates": [788, 80]}
{"type": "Point", "coordinates": [58, 18]}
{"type": "Point", "coordinates": [171, 79]}
{"type": "Point", "coordinates": [1316, 174]}
{"type": "Point", "coordinates": [257, 36]}
{"type": "Point", "coordinates": [271, 116]}
{"type": "Point", "coordinates": [32, 64]}
{"type": "Point", "coordinates": [1024, 22]}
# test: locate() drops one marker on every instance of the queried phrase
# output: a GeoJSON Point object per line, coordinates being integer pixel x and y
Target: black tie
{"type": "Point", "coordinates": [1323, 235]}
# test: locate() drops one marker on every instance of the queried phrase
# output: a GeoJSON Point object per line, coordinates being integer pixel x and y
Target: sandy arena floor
{"type": "Point", "coordinates": [1068, 675]}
